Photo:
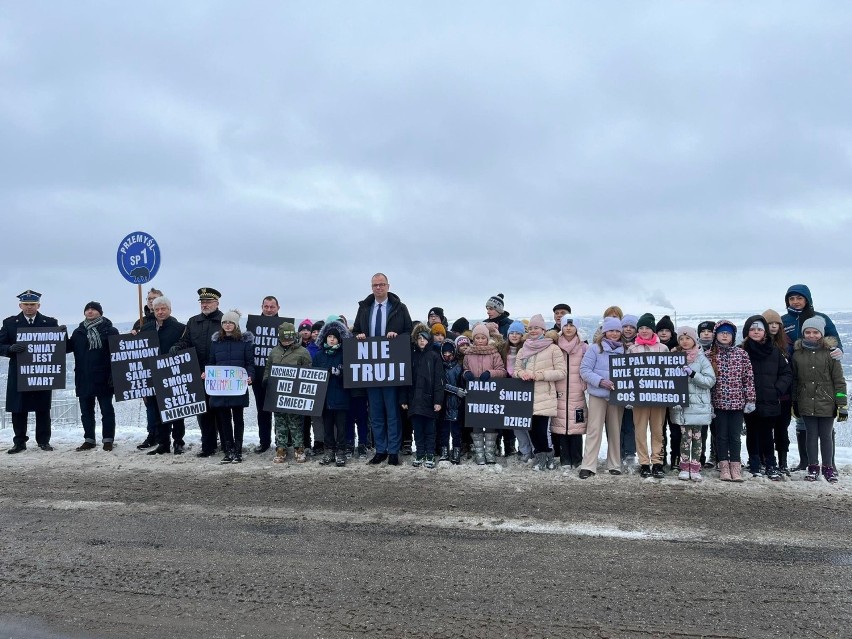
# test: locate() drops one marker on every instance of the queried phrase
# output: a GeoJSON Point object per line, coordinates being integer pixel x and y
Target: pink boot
{"type": "Point", "coordinates": [725, 470]}
{"type": "Point", "coordinates": [695, 471]}
{"type": "Point", "coordinates": [736, 472]}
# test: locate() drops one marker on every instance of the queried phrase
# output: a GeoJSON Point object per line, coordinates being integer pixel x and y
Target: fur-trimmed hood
{"type": "Point", "coordinates": [244, 337]}
{"type": "Point", "coordinates": [828, 343]}
{"type": "Point", "coordinates": [418, 328]}
{"type": "Point", "coordinates": [341, 328]}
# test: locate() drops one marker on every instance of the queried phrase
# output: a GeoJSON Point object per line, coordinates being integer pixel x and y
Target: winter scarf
{"type": "Point", "coordinates": [533, 346]}
{"type": "Point", "coordinates": [92, 333]}
{"type": "Point", "coordinates": [759, 350]}
{"type": "Point", "coordinates": [330, 350]}
{"type": "Point", "coordinates": [647, 342]}
{"type": "Point", "coordinates": [812, 346]}
{"type": "Point", "coordinates": [488, 349]}
{"type": "Point", "coordinates": [613, 343]}
{"type": "Point", "coordinates": [692, 353]}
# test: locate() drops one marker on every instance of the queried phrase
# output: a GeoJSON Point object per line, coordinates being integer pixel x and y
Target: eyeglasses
{"type": "Point", "coordinates": [379, 285]}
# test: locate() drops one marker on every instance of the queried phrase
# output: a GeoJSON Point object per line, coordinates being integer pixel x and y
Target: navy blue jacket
{"type": "Point", "coordinates": [32, 400]}
{"type": "Point", "coordinates": [232, 352]}
{"type": "Point", "coordinates": [452, 377]}
{"type": "Point", "coordinates": [337, 397]}
{"type": "Point", "coordinates": [794, 319]}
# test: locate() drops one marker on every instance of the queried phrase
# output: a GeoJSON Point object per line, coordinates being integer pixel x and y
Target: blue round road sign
{"type": "Point", "coordinates": [138, 258]}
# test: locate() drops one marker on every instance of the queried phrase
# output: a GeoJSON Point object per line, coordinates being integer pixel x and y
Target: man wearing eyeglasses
{"type": "Point", "coordinates": [382, 314]}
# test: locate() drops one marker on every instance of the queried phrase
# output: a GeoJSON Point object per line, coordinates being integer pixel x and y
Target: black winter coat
{"type": "Point", "coordinates": [772, 376]}
{"type": "Point", "coordinates": [199, 334]}
{"type": "Point", "coordinates": [228, 351]}
{"type": "Point", "coordinates": [169, 333]}
{"type": "Point", "coordinates": [337, 397]}
{"type": "Point", "coordinates": [33, 400]}
{"type": "Point", "coordinates": [92, 374]}
{"type": "Point", "coordinates": [452, 377]}
{"type": "Point", "coordinates": [503, 322]}
{"type": "Point", "coordinates": [398, 321]}
{"type": "Point", "coordinates": [427, 383]}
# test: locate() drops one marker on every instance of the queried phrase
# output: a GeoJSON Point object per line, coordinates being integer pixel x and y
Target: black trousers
{"type": "Point", "coordinates": [208, 424]}
{"type": "Point", "coordinates": [538, 433]}
{"type": "Point", "coordinates": [42, 429]}
{"type": "Point", "coordinates": [334, 424]}
{"type": "Point", "coordinates": [232, 433]}
{"type": "Point", "coordinates": [264, 417]}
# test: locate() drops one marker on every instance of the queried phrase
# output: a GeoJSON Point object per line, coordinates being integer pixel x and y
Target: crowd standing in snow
{"type": "Point", "coordinates": [784, 366]}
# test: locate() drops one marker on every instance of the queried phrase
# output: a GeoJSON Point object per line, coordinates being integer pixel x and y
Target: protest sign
{"type": "Point", "coordinates": [649, 379]}
{"type": "Point", "coordinates": [376, 361]}
{"type": "Point", "coordinates": [499, 403]}
{"type": "Point", "coordinates": [131, 364]}
{"type": "Point", "coordinates": [42, 365]}
{"type": "Point", "coordinates": [294, 389]}
{"type": "Point", "coordinates": [225, 380]}
{"type": "Point", "coordinates": [265, 331]}
{"type": "Point", "coordinates": [179, 387]}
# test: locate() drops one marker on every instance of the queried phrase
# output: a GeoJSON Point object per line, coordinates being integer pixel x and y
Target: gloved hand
{"type": "Point", "coordinates": [686, 369]}
{"type": "Point", "coordinates": [628, 407]}
{"type": "Point", "coordinates": [17, 347]}
{"type": "Point", "coordinates": [335, 370]}
{"type": "Point", "coordinates": [796, 409]}
{"type": "Point", "coordinates": [842, 414]}
{"type": "Point", "coordinates": [468, 376]}
{"type": "Point", "coordinates": [749, 408]}
{"type": "Point", "coordinates": [486, 375]}
{"type": "Point", "coordinates": [836, 353]}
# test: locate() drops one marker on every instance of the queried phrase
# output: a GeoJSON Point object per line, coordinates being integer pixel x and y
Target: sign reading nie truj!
{"type": "Point", "coordinates": [294, 389]}
{"type": "Point", "coordinates": [499, 403]}
{"type": "Point", "coordinates": [42, 365]}
{"type": "Point", "coordinates": [649, 379]}
{"type": "Point", "coordinates": [179, 387]}
{"type": "Point", "coordinates": [131, 364]}
{"type": "Point", "coordinates": [376, 361]}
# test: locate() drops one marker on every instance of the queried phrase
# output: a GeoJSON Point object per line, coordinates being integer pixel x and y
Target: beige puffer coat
{"type": "Point", "coordinates": [570, 391]}
{"type": "Point", "coordinates": [549, 368]}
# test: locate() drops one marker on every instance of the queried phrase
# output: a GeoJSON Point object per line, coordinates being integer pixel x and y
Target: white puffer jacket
{"type": "Point", "coordinates": [700, 409]}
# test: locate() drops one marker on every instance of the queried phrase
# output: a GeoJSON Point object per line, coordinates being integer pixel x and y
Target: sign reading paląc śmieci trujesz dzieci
{"type": "Point", "coordinates": [265, 331]}
{"type": "Point", "coordinates": [296, 389]}
{"type": "Point", "coordinates": [376, 361]}
{"type": "Point", "coordinates": [42, 365]}
{"type": "Point", "coordinates": [132, 363]}
{"type": "Point", "coordinates": [179, 387]}
{"type": "Point", "coordinates": [649, 379]}
{"type": "Point", "coordinates": [499, 403]}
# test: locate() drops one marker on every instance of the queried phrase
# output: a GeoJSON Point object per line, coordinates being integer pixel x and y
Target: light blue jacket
{"type": "Point", "coordinates": [595, 367]}
{"type": "Point", "coordinates": [700, 409]}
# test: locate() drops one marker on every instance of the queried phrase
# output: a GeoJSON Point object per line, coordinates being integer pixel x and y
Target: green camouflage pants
{"type": "Point", "coordinates": [289, 424]}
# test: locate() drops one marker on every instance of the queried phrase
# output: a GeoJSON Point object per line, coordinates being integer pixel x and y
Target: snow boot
{"type": "Point", "coordinates": [684, 471]}
{"type": "Point", "coordinates": [455, 456]}
{"type": "Point", "coordinates": [644, 471]}
{"type": "Point", "coordinates": [280, 455]}
{"type": "Point", "coordinates": [490, 447]}
{"type": "Point", "coordinates": [328, 458]}
{"type": "Point", "coordinates": [445, 454]}
{"type": "Point", "coordinates": [736, 472]}
{"type": "Point", "coordinates": [828, 473]}
{"type": "Point", "coordinates": [725, 471]}
{"type": "Point", "coordinates": [430, 461]}
{"type": "Point", "coordinates": [550, 461]}
{"type": "Point", "coordinates": [772, 472]}
{"type": "Point", "coordinates": [478, 448]}
{"type": "Point", "coordinates": [301, 458]}
{"type": "Point", "coordinates": [695, 471]}
{"type": "Point", "coordinates": [418, 460]}
{"type": "Point", "coordinates": [813, 473]}
{"type": "Point", "coordinates": [657, 471]}
{"type": "Point", "coordinates": [340, 460]}
{"type": "Point", "coordinates": [539, 462]}
{"type": "Point", "coordinates": [782, 463]}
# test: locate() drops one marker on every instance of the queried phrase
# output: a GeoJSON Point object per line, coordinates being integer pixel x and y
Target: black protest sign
{"type": "Point", "coordinates": [499, 403]}
{"type": "Point", "coordinates": [265, 331]}
{"type": "Point", "coordinates": [294, 389]}
{"type": "Point", "coordinates": [376, 361]}
{"type": "Point", "coordinates": [649, 379]}
{"type": "Point", "coordinates": [42, 365]}
{"type": "Point", "coordinates": [179, 387]}
{"type": "Point", "coordinates": [132, 363]}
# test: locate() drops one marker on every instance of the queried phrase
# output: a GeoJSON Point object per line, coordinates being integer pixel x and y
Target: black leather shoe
{"type": "Point", "coordinates": [146, 444]}
{"type": "Point", "coordinates": [261, 449]}
{"type": "Point", "coordinates": [17, 448]}
{"type": "Point", "coordinates": [179, 449]}
{"type": "Point", "coordinates": [378, 458]}
{"type": "Point", "coordinates": [159, 450]}
{"type": "Point", "coordinates": [46, 447]}
{"type": "Point", "coordinates": [585, 474]}
{"type": "Point", "coordinates": [206, 453]}
{"type": "Point", "coordinates": [393, 459]}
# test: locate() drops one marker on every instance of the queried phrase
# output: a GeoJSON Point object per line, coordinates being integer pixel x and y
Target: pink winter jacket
{"type": "Point", "coordinates": [488, 360]}
{"type": "Point", "coordinates": [571, 391]}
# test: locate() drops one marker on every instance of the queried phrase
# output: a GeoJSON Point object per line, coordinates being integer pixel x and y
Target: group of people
{"type": "Point", "coordinates": [784, 366]}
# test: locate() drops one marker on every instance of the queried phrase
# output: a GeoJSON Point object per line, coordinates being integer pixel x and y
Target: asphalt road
{"type": "Point", "coordinates": [136, 551]}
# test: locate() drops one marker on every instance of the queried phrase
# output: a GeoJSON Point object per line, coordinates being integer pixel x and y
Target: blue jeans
{"type": "Point", "coordinates": [87, 416]}
{"type": "Point", "coordinates": [384, 419]}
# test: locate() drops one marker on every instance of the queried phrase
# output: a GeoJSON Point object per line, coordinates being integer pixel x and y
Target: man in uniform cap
{"type": "Point", "coordinates": [18, 403]}
{"type": "Point", "coordinates": [199, 335]}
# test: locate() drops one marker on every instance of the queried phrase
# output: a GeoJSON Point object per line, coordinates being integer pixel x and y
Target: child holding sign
{"type": "Point", "coordinates": [230, 347]}
{"type": "Point", "coordinates": [482, 362]}
{"type": "Point", "coordinates": [694, 418]}
{"type": "Point", "coordinates": [330, 357]}
{"type": "Point", "coordinates": [288, 352]}
{"type": "Point", "coordinates": [644, 417]}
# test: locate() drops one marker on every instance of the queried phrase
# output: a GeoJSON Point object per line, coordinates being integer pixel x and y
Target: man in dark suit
{"type": "Point", "coordinates": [18, 403]}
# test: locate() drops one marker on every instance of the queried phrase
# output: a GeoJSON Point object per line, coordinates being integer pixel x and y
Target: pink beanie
{"type": "Point", "coordinates": [537, 321]}
{"type": "Point", "coordinates": [480, 329]}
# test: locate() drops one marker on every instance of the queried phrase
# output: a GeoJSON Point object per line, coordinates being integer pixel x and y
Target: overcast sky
{"type": "Point", "coordinates": [673, 154]}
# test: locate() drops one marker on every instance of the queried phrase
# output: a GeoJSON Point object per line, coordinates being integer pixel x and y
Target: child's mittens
{"type": "Point", "coordinates": [468, 376]}
{"type": "Point", "coordinates": [836, 353]}
{"type": "Point", "coordinates": [335, 370]}
{"type": "Point", "coordinates": [687, 370]}
{"type": "Point", "coordinates": [749, 408]}
{"type": "Point", "coordinates": [486, 375]}
{"type": "Point", "coordinates": [842, 414]}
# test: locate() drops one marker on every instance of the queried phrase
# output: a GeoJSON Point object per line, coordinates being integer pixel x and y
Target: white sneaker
{"type": "Point", "coordinates": [696, 477]}
{"type": "Point", "coordinates": [684, 475]}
